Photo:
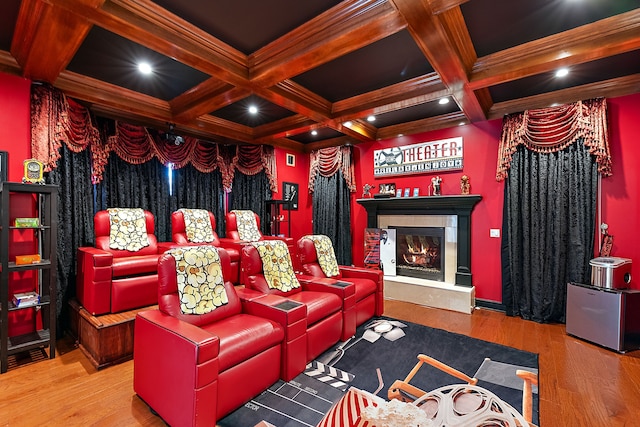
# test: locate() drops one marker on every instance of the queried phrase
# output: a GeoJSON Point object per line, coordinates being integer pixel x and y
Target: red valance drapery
{"type": "Point", "coordinates": [328, 161]}
{"type": "Point", "coordinates": [548, 130]}
{"type": "Point", "coordinates": [56, 119]}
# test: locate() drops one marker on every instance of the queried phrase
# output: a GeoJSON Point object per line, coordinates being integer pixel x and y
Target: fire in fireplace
{"type": "Point", "coordinates": [420, 252]}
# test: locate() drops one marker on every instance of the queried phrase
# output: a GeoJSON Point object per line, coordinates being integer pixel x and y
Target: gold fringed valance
{"type": "Point", "coordinates": [56, 119]}
{"type": "Point", "coordinates": [553, 129]}
{"type": "Point", "coordinates": [328, 161]}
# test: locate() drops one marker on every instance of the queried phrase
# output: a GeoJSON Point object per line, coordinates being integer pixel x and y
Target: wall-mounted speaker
{"type": "Point", "coordinates": [4, 166]}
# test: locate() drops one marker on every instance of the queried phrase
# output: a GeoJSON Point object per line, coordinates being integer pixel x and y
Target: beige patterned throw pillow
{"type": "Point", "coordinates": [247, 226]}
{"type": "Point", "coordinates": [197, 225]}
{"type": "Point", "coordinates": [200, 282]}
{"type": "Point", "coordinates": [326, 255]}
{"type": "Point", "coordinates": [128, 229]}
{"type": "Point", "coordinates": [276, 265]}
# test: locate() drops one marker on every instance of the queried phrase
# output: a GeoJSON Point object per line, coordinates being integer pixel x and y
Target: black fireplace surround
{"type": "Point", "coordinates": [461, 206]}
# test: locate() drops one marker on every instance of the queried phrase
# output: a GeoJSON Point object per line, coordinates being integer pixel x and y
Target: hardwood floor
{"type": "Point", "coordinates": [580, 384]}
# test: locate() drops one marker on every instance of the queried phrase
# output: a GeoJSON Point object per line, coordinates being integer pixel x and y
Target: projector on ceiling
{"type": "Point", "coordinates": [174, 139]}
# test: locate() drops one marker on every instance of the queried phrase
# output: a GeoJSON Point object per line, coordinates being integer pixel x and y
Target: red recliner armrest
{"type": "Point", "coordinates": [368, 273]}
{"type": "Point", "coordinates": [176, 369]}
{"type": "Point", "coordinates": [343, 289]}
{"type": "Point", "coordinates": [292, 316]}
{"type": "Point", "coordinates": [93, 279]}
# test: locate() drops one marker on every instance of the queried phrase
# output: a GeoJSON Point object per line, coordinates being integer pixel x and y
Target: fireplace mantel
{"type": "Point", "coordinates": [461, 206]}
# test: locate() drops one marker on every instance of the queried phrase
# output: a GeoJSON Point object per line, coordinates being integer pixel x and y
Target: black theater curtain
{"type": "Point", "coordinates": [75, 222]}
{"type": "Point", "coordinates": [145, 186]}
{"type": "Point", "coordinates": [197, 190]}
{"type": "Point", "coordinates": [249, 192]}
{"type": "Point", "coordinates": [332, 213]}
{"type": "Point", "coordinates": [548, 229]}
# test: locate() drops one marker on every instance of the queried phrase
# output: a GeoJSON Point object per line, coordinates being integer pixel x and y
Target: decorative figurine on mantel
{"type": "Point", "coordinates": [366, 190]}
{"type": "Point", "coordinates": [464, 185]}
{"type": "Point", "coordinates": [435, 186]}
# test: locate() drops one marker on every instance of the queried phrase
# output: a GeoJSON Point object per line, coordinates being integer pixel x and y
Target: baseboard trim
{"type": "Point", "coordinates": [490, 305]}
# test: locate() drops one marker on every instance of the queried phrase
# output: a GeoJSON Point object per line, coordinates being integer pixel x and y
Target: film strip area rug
{"type": "Point", "coordinates": [381, 352]}
{"type": "Point", "coordinates": [301, 402]}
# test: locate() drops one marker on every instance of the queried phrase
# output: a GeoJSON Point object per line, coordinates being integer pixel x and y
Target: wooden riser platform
{"type": "Point", "coordinates": [106, 339]}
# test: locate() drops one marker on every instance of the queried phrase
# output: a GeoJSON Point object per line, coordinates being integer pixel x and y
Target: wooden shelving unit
{"type": "Point", "coordinates": [44, 236]}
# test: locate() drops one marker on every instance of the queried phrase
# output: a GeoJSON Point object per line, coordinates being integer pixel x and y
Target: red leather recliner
{"type": "Point", "coordinates": [113, 280]}
{"type": "Point", "coordinates": [324, 303]}
{"type": "Point", "coordinates": [369, 283]}
{"type": "Point", "coordinates": [193, 369]}
{"type": "Point", "coordinates": [231, 228]}
{"type": "Point", "coordinates": [179, 236]}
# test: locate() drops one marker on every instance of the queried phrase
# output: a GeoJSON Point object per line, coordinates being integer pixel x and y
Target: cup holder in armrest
{"type": "Point", "coordinates": [287, 305]}
{"type": "Point", "coordinates": [342, 283]}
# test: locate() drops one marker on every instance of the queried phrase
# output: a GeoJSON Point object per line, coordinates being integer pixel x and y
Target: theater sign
{"type": "Point", "coordinates": [425, 157]}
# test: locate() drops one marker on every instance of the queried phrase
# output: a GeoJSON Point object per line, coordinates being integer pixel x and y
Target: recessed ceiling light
{"type": "Point", "coordinates": [253, 109]}
{"type": "Point", "coordinates": [443, 101]}
{"type": "Point", "coordinates": [461, 124]}
{"type": "Point", "coordinates": [562, 72]}
{"type": "Point", "coordinates": [347, 124]}
{"type": "Point", "coordinates": [400, 134]}
{"type": "Point", "coordinates": [145, 68]}
{"type": "Point", "coordinates": [371, 118]}
{"type": "Point", "coordinates": [314, 132]}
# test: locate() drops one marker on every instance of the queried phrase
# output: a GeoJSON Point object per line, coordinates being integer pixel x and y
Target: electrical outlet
{"type": "Point", "coordinates": [494, 232]}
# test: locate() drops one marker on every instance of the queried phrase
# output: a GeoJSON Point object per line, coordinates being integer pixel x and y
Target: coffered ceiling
{"type": "Point", "coordinates": [321, 65]}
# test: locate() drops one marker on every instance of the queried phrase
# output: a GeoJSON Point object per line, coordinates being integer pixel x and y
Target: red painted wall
{"type": "Point", "coordinates": [620, 192]}
{"type": "Point", "coordinates": [619, 202]}
{"type": "Point", "coordinates": [480, 150]}
{"type": "Point", "coordinates": [301, 220]}
{"type": "Point", "coordinates": [15, 122]}
{"type": "Point", "coordinates": [15, 137]}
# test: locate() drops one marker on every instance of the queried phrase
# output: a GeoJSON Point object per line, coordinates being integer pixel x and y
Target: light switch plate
{"type": "Point", "coordinates": [494, 232]}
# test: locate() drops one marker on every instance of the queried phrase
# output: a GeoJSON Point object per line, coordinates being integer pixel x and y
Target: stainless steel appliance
{"type": "Point", "coordinates": [608, 317]}
{"type": "Point", "coordinates": [610, 272]}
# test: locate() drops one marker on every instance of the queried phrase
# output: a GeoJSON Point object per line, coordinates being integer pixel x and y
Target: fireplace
{"type": "Point", "coordinates": [420, 252]}
{"type": "Point", "coordinates": [451, 212]}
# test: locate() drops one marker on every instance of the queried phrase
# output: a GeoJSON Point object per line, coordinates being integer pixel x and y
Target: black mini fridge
{"type": "Point", "coordinates": [607, 317]}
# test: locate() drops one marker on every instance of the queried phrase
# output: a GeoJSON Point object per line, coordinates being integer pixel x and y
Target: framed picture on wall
{"type": "Point", "coordinates": [290, 193]}
{"type": "Point", "coordinates": [406, 192]}
{"type": "Point", "coordinates": [291, 159]}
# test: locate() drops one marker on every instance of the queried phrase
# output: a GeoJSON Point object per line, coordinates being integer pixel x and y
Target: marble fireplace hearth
{"type": "Point", "coordinates": [453, 213]}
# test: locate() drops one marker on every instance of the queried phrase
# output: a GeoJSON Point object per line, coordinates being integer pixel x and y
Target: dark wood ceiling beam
{"type": "Point", "coordinates": [440, 38]}
{"type": "Point", "coordinates": [286, 144]}
{"type": "Point", "coordinates": [440, 6]}
{"type": "Point", "coordinates": [326, 143]}
{"type": "Point", "coordinates": [356, 129]}
{"type": "Point", "coordinates": [607, 88]}
{"type": "Point", "coordinates": [46, 37]}
{"type": "Point", "coordinates": [345, 28]}
{"type": "Point", "coordinates": [8, 64]}
{"type": "Point", "coordinates": [216, 127]}
{"type": "Point", "coordinates": [149, 25]}
{"type": "Point", "coordinates": [618, 34]}
{"type": "Point", "coordinates": [284, 128]}
{"type": "Point", "coordinates": [132, 104]}
{"type": "Point", "coordinates": [395, 97]}
{"type": "Point", "coordinates": [423, 125]}
{"type": "Point", "coordinates": [294, 97]}
{"type": "Point", "coordinates": [139, 108]}
{"type": "Point", "coordinates": [206, 97]}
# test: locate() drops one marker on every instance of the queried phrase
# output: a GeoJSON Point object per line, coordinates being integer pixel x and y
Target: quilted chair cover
{"type": "Point", "coordinates": [193, 369]}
